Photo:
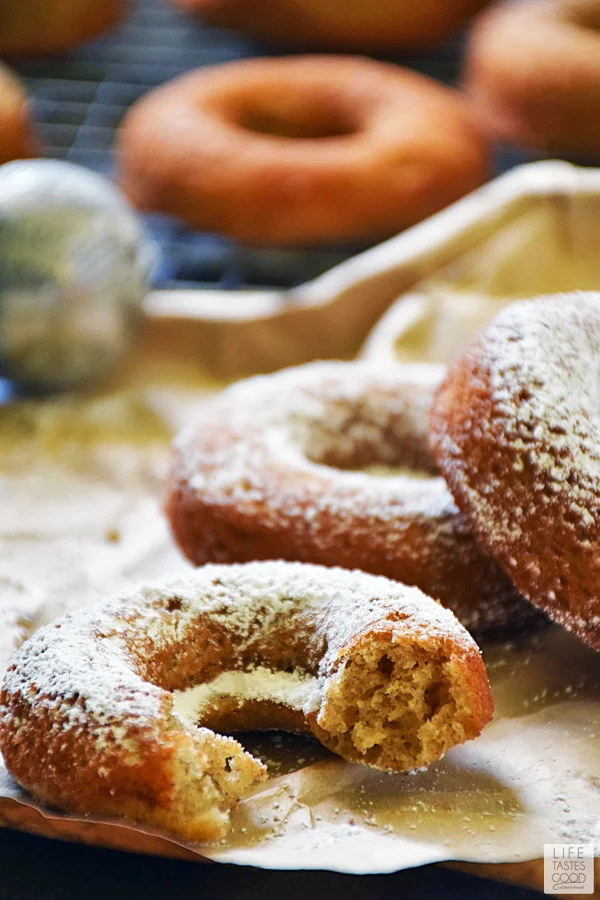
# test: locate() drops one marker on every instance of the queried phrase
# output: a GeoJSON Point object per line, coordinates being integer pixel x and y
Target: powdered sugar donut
{"type": "Point", "coordinates": [92, 712]}
{"type": "Point", "coordinates": [329, 463]}
{"type": "Point", "coordinates": [515, 432]}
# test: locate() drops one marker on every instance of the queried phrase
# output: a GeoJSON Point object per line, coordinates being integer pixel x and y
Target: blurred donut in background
{"type": "Point", "coordinates": [533, 72]}
{"type": "Point", "coordinates": [17, 138]}
{"type": "Point", "coordinates": [301, 150]}
{"type": "Point", "coordinates": [339, 24]}
{"type": "Point", "coordinates": [51, 26]}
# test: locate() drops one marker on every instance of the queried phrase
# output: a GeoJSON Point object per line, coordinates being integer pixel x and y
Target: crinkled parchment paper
{"type": "Point", "coordinates": [538, 232]}
{"type": "Point", "coordinates": [80, 484]}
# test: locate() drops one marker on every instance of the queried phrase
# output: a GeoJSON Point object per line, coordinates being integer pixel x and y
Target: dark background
{"type": "Point", "coordinates": [37, 869]}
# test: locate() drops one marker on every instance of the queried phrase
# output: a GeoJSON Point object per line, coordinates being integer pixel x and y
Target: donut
{"type": "Point", "coordinates": [102, 712]}
{"type": "Point", "coordinates": [514, 431]}
{"type": "Point", "coordinates": [17, 140]}
{"type": "Point", "coordinates": [533, 72]}
{"type": "Point", "coordinates": [339, 24]}
{"type": "Point", "coordinates": [300, 150]}
{"type": "Point", "coordinates": [51, 26]}
{"type": "Point", "coordinates": [329, 463]}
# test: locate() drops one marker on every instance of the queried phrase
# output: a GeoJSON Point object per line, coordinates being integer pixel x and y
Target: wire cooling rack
{"type": "Point", "coordinates": [80, 99]}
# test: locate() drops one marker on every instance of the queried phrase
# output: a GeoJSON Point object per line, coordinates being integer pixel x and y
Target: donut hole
{"type": "Point", "coordinates": [393, 705]}
{"type": "Point", "coordinates": [298, 122]}
{"type": "Point", "coordinates": [300, 115]}
{"type": "Point", "coordinates": [375, 439]}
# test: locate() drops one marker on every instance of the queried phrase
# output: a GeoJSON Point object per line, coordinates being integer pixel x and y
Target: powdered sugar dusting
{"type": "Point", "coordinates": [299, 420]}
{"type": "Point", "coordinates": [536, 501]}
{"type": "Point", "coordinates": [86, 668]}
{"type": "Point", "coordinates": [298, 456]}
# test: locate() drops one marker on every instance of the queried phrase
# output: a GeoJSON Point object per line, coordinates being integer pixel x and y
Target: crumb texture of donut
{"type": "Point", "coordinates": [107, 711]}
{"type": "Point", "coordinates": [514, 428]}
{"type": "Point", "coordinates": [393, 708]}
{"type": "Point", "coordinates": [329, 463]}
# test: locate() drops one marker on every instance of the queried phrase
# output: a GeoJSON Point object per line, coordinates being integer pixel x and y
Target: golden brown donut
{"type": "Point", "coordinates": [515, 432]}
{"type": "Point", "coordinates": [99, 711]}
{"type": "Point", "coordinates": [300, 150]}
{"type": "Point", "coordinates": [271, 469]}
{"type": "Point", "coordinates": [533, 73]}
{"type": "Point", "coordinates": [17, 140]}
{"type": "Point", "coordinates": [340, 24]}
{"type": "Point", "coordinates": [51, 26]}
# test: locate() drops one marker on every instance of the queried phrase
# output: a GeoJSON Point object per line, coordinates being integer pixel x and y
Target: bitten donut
{"type": "Point", "coordinates": [271, 469]}
{"type": "Point", "coordinates": [17, 139]}
{"type": "Point", "coordinates": [339, 24]}
{"type": "Point", "coordinates": [300, 150]}
{"type": "Point", "coordinates": [51, 26]}
{"type": "Point", "coordinates": [533, 73]}
{"type": "Point", "coordinates": [515, 432]}
{"type": "Point", "coordinates": [99, 711]}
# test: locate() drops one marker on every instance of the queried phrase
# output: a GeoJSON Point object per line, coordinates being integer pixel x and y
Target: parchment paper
{"type": "Point", "coordinates": [536, 228]}
{"type": "Point", "coordinates": [80, 484]}
{"type": "Point", "coordinates": [80, 481]}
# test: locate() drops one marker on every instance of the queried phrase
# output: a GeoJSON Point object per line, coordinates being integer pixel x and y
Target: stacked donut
{"type": "Point", "coordinates": [514, 431]}
{"type": "Point", "coordinates": [333, 463]}
{"type": "Point", "coordinates": [329, 463]}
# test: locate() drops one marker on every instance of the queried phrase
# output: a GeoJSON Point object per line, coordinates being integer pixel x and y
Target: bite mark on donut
{"type": "Point", "coordinates": [390, 703]}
